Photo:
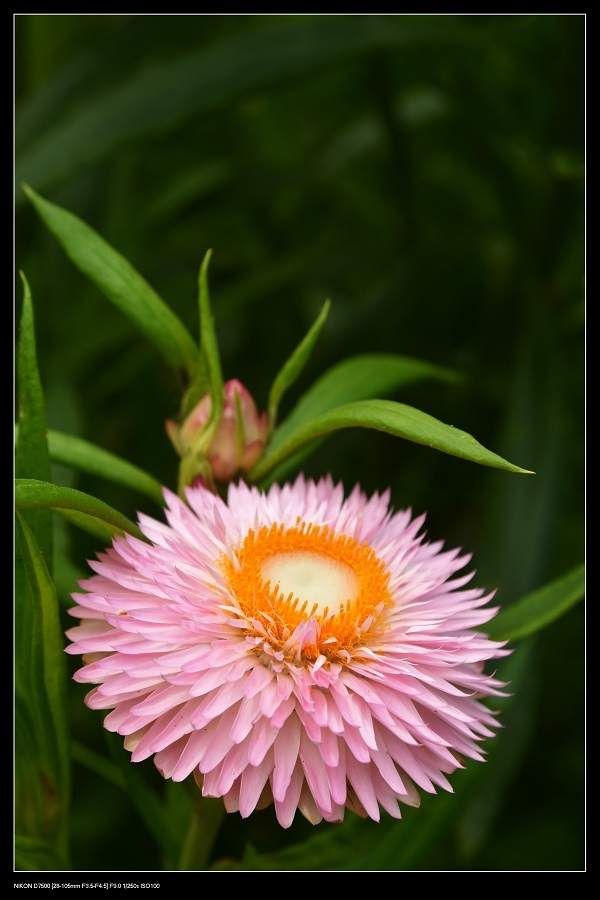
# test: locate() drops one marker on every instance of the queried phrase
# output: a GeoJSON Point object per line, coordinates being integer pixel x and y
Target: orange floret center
{"type": "Point", "coordinates": [282, 576]}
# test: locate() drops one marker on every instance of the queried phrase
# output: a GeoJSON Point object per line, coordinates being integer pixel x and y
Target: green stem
{"type": "Point", "coordinates": [206, 818]}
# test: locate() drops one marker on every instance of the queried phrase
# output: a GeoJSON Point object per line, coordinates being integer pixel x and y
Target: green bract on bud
{"type": "Point", "coordinates": [239, 439]}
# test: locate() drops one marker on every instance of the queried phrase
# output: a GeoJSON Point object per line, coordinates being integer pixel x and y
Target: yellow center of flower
{"type": "Point", "coordinates": [281, 577]}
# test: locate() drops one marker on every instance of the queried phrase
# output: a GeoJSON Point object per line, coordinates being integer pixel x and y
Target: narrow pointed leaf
{"type": "Point", "coordinates": [31, 457]}
{"type": "Point", "coordinates": [53, 669]}
{"type": "Point", "coordinates": [30, 493]}
{"type": "Point", "coordinates": [161, 96]}
{"type": "Point", "coordinates": [120, 282]}
{"type": "Point", "coordinates": [90, 524]}
{"type": "Point", "coordinates": [69, 450]}
{"type": "Point", "coordinates": [475, 826]}
{"type": "Point", "coordinates": [294, 365]}
{"type": "Point", "coordinates": [34, 771]}
{"type": "Point", "coordinates": [146, 801]}
{"type": "Point", "coordinates": [210, 349]}
{"type": "Point", "coordinates": [539, 608]}
{"type": "Point", "coordinates": [43, 788]}
{"type": "Point", "coordinates": [324, 850]}
{"type": "Point", "coordinates": [394, 418]}
{"type": "Point", "coordinates": [207, 375]}
{"type": "Point", "coordinates": [208, 379]}
{"type": "Point", "coordinates": [360, 377]}
{"type": "Point", "coordinates": [32, 855]}
{"type": "Point", "coordinates": [98, 764]}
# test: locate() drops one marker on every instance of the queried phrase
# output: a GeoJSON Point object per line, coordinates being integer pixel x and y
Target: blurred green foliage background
{"type": "Point", "coordinates": [425, 172]}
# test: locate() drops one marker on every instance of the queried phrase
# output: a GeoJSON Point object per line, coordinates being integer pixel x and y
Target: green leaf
{"type": "Point", "coordinates": [32, 855]}
{"type": "Point", "coordinates": [207, 375]}
{"type": "Point", "coordinates": [33, 777]}
{"type": "Point", "coordinates": [49, 634]}
{"type": "Point", "coordinates": [210, 352]}
{"type": "Point", "coordinates": [42, 736]}
{"type": "Point", "coordinates": [144, 798]}
{"type": "Point", "coordinates": [394, 418]}
{"type": "Point", "coordinates": [294, 365]}
{"type": "Point", "coordinates": [506, 751]}
{"type": "Point", "coordinates": [98, 764]}
{"type": "Point", "coordinates": [360, 378]}
{"type": "Point", "coordinates": [30, 493]}
{"type": "Point", "coordinates": [31, 458]}
{"type": "Point", "coordinates": [326, 850]}
{"type": "Point", "coordinates": [69, 450]}
{"type": "Point", "coordinates": [120, 282]}
{"type": "Point", "coordinates": [119, 771]}
{"type": "Point", "coordinates": [91, 524]}
{"type": "Point", "coordinates": [539, 608]}
{"type": "Point", "coordinates": [164, 95]}
{"type": "Point", "coordinates": [357, 378]}
{"type": "Point", "coordinates": [208, 379]}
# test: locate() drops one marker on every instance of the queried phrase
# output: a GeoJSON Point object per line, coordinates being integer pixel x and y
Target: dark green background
{"type": "Point", "coordinates": [426, 174]}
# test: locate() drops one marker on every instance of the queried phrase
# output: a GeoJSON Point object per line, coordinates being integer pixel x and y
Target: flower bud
{"type": "Point", "coordinates": [240, 437]}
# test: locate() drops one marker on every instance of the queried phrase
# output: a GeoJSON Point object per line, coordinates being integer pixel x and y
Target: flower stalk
{"type": "Point", "coordinates": [206, 817]}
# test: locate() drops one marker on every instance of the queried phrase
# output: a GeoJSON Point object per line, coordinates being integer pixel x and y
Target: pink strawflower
{"type": "Point", "coordinates": [289, 647]}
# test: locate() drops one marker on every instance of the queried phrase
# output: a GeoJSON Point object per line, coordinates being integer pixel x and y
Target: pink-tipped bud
{"type": "Point", "coordinates": [240, 438]}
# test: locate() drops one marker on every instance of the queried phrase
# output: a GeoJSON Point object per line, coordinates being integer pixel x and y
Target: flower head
{"type": "Point", "coordinates": [292, 647]}
{"type": "Point", "coordinates": [240, 437]}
